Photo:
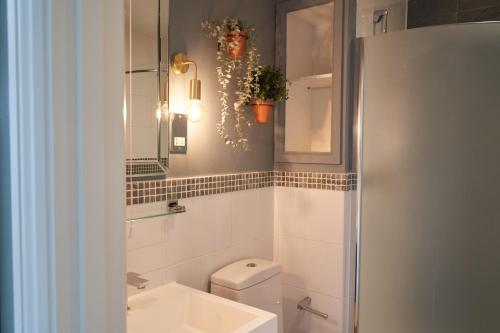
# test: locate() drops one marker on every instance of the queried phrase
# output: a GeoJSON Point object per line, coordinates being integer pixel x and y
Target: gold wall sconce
{"type": "Point", "coordinates": [180, 65]}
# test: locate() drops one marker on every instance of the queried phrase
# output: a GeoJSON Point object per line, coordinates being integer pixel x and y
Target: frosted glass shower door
{"type": "Point", "coordinates": [429, 256]}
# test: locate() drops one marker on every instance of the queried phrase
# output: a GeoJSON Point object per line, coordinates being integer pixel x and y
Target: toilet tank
{"type": "Point", "coordinates": [255, 282]}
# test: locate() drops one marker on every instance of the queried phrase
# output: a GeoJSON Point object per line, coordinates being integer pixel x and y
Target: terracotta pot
{"type": "Point", "coordinates": [236, 51]}
{"type": "Point", "coordinates": [262, 110]}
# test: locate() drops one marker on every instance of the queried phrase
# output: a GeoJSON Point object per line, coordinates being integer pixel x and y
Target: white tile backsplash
{"type": "Point", "coordinates": [305, 229]}
{"type": "Point", "coordinates": [265, 247]}
{"type": "Point", "coordinates": [140, 234]}
{"type": "Point", "coordinates": [215, 231]}
{"type": "Point", "coordinates": [245, 213]}
{"type": "Point", "coordinates": [324, 216]}
{"type": "Point", "coordinates": [222, 220]}
{"type": "Point", "coordinates": [290, 220]}
{"type": "Point", "coordinates": [191, 234]}
{"type": "Point", "coordinates": [322, 269]}
{"type": "Point", "coordinates": [313, 234]}
{"type": "Point", "coordinates": [292, 258]}
{"type": "Point", "coordinates": [299, 321]}
{"type": "Point", "coordinates": [146, 259]}
{"type": "Point", "coordinates": [212, 263]}
{"type": "Point", "coordinates": [187, 273]}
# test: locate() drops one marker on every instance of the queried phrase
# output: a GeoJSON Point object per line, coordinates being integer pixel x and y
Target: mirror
{"type": "Point", "coordinates": [146, 88]}
{"type": "Point", "coordinates": [309, 62]}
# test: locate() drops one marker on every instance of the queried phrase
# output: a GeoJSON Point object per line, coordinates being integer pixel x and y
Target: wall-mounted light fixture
{"type": "Point", "coordinates": [180, 65]}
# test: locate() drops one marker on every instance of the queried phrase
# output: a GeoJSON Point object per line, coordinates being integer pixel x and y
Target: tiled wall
{"type": "Point", "coordinates": [143, 192]}
{"type": "Point", "coordinates": [300, 219]}
{"type": "Point", "coordinates": [314, 246]}
{"type": "Point", "coordinates": [423, 13]}
{"type": "Point", "coordinates": [215, 231]}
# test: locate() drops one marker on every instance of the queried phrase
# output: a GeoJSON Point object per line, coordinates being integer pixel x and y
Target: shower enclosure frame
{"type": "Point", "coordinates": [357, 164]}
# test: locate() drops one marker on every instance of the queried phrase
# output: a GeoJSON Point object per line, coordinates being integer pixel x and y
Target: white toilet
{"type": "Point", "coordinates": [255, 282]}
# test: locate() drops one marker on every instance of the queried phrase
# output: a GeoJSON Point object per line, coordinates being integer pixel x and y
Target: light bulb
{"type": "Point", "coordinates": [195, 110]}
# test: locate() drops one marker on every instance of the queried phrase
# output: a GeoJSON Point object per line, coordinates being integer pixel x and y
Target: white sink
{"type": "Point", "coordinates": [177, 308]}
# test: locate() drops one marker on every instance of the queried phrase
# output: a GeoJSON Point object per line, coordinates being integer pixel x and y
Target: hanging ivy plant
{"type": "Point", "coordinates": [237, 59]}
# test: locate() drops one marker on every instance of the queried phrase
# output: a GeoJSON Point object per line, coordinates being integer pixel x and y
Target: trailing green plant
{"type": "Point", "coordinates": [243, 71]}
{"type": "Point", "coordinates": [269, 84]}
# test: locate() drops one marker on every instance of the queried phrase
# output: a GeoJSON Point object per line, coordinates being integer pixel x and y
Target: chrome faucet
{"type": "Point", "coordinates": [135, 280]}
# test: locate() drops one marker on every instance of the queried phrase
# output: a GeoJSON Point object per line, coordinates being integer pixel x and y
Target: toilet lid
{"type": "Point", "coordinates": [245, 273]}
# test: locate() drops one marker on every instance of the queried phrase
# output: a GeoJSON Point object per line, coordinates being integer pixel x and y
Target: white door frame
{"type": "Point", "coordinates": [67, 165]}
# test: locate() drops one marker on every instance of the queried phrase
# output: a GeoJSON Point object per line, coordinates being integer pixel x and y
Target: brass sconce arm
{"type": "Point", "coordinates": [180, 65]}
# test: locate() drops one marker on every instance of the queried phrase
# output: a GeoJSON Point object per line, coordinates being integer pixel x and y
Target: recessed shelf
{"type": "Point", "coordinates": [314, 81]}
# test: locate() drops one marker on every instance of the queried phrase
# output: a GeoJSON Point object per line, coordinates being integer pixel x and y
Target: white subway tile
{"type": "Point", "coordinates": [289, 211]}
{"type": "Point", "coordinates": [145, 233]}
{"type": "Point", "coordinates": [222, 207]}
{"type": "Point", "coordinates": [212, 263]}
{"type": "Point", "coordinates": [292, 257]}
{"type": "Point", "coordinates": [190, 234]}
{"type": "Point", "coordinates": [324, 215]}
{"type": "Point", "coordinates": [323, 268]}
{"type": "Point", "coordinates": [146, 259]}
{"type": "Point", "coordinates": [187, 273]}
{"type": "Point", "coordinates": [276, 247]}
{"type": "Point", "coordinates": [265, 247]}
{"type": "Point", "coordinates": [301, 321]}
{"type": "Point", "coordinates": [266, 212]}
{"type": "Point", "coordinates": [244, 250]}
{"type": "Point", "coordinates": [245, 206]}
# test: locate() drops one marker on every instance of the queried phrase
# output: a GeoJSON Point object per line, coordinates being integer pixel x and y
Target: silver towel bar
{"type": "Point", "coordinates": [305, 305]}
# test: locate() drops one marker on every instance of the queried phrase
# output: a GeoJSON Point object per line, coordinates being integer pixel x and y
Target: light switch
{"type": "Point", "coordinates": [179, 141]}
{"type": "Point", "coordinates": [178, 134]}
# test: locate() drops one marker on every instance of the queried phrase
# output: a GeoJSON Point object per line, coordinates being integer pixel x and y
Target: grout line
{"type": "Point", "coordinates": [314, 291]}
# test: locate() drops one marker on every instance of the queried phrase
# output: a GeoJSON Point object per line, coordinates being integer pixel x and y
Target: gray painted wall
{"type": "Point", "coordinates": [207, 153]}
{"type": "Point", "coordinates": [6, 296]}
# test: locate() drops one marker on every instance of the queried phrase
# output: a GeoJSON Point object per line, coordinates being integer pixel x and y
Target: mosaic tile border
{"type": "Point", "coordinates": [316, 180]}
{"type": "Point", "coordinates": [149, 191]}
{"type": "Point", "coordinates": [180, 188]}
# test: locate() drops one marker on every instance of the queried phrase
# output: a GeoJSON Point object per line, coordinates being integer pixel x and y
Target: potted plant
{"type": "Point", "coordinates": [268, 87]}
{"type": "Point", "coordinates": [232, 35]}
{"type": "Point", "coordinates": [238, 61]}
{"type": "Point", "coordinates": [236, 39]}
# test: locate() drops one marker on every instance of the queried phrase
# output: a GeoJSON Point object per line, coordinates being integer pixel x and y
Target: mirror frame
{"type": "Point", "coordinates": [161, 162]}
{"type": "Point", "coordinates": [343, 34]}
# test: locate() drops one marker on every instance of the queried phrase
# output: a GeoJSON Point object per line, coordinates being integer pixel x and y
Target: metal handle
{"type": "Point", "coordinates": [305, 305]}
{"type": "Point", "coordinates": [380, 16]}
